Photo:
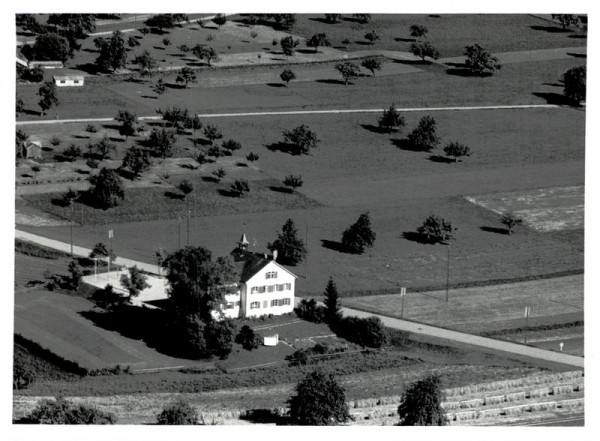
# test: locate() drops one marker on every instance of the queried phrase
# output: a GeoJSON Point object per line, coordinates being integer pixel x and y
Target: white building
{"type": "Point", "coordinates": [68, 80]}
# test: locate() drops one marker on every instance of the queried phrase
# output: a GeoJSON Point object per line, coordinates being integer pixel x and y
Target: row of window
{"type": "Point", "coordinates": [276, 302]}
{"type": "Point", "coordinates": [271, 288]}
{"type": "Point", "coordinates": [231, 305]}
{"type": "Point", "coordinates": [271, 275]}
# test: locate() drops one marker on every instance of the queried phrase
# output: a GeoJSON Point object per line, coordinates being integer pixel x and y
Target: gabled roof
{"type": "Point", "coordinates": [247, 263]}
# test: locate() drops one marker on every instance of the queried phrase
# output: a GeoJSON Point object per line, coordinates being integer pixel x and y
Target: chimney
{"type": "Point", "coordinates": [265, 254]}
{"type": "Point", "coordinates": [275, 255]}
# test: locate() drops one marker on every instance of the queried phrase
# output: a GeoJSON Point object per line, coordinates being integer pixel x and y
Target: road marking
{"type": "Point", "coordinates": [303, 112]}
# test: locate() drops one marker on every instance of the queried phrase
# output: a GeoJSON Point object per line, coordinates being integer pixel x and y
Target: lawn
{"type": "Point", "coordinates": [449, 33]}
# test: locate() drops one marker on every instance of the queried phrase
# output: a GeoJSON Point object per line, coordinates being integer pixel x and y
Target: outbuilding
{"type": "Point", "coordinates": [32, 149]}
{"type": "Point", "coordinates": [68, 80]}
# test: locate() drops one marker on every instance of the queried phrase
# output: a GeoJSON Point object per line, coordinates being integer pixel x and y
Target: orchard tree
{"type": "Point", "coordinates": [436, 230]}
{"type": "Point", "coordinates": [566, 20]}
{"type": "Point", "coordinates": [61, 411]}
{"type": "Point", "coordinates": [290, 248]}
{"type": "Point", "coordinates": [19, 105]}
{"type": "Point", "coordinates": [391, 120]}
{"type": "Point", "coordinates": [288, 45]}
{"type": "Point", "coordinates": [421, 403]}
{"type": "Point", "coordinates": [372, 37]}
{"type": "Point", "coordinates": [300, 140]}
{"type": "Point", "coordinates": [179, 413]}
{"type": "Point", "coordinates": [186, 75]}
{"type": "Point", "coordinates": [75, 274]}
{"type": "Point", "coordinates": [72, 152]}
{"type": "Point", "coordinates": [457, 150]}
{"type": "Point", "coordinates": [128, 122]}
{"type": "Point", "coordinates": [480, 61]}
{"type": "Point", "coordinates": [424, 136]}
{"type": "Point", "coordinates": [193, 123]}
{"type": "Point", "coordinates": [185, 187]}
{"type": "Point", "coordinates": [132, 42]}
{"type": "Point", "coordinates": [174, 116]}
{"type": "Point", "coordinates": [251, 157]}
{"type": "Point", "coordinates": [372, 64]}
{"type": "Point", "coordinates": [159, 88]}
{"type": "Point", "coordinates": [113, 53]}
{"type": "Point", "coordinates": [50, 47]}
{"type": "Point", "coordinates": [161, 142]}
{"type": "Point", "coordinates": [219, 173]}
{"type": "Point", "coordinates": [76, 24]}
{"type": "Point", "coordinates": [135, 282]}
{"type": "Point", "coordinates": [102, 252]}
{"type": "Point", "coordinates": [510, 220]}
{"type": "Point", "coordinates": [333, 304]}
{"type": "Point", "coordinates": [287, 75]}
{"type": "Point", "coordinates": [319, 401]}
{"type": "Point", "coordinates": [574, 81]}
{"type": "Point", "coordinates": [166, 42]}
{"type": "Point", "coordinates": [348, 70]}
{"type": "Point", "coordinates": [161, 22]}
{"type": "Point", "coordinates": [248, 338]}
{"type": "Point", "coordinates": [424, 49]}
{"type": "Point", "coordinates": [359, 235]}
{"type": "Point", "coordinates": [107, 188]}
{"type": "Point", "coordinates": [284, 21]}
{"type": "Point", "coordinates": [48, 96]}
{"type": "Point", "coordinates": [219, 20]}
{"type": "Point", "coordinates": [293, 182]}
{"type": "Point", "coordinates": [333, 18]}
{"type": "Point", "coordinates": [362, 18]}
{"type": "Point", "coordinates": [212, 133]}
{"type": "Point", "coordinates": [102, 148]}
{"type": "Point", "coordinates": [136, 160]}
{"type": "Point", "coordinates": [318, 40]}
{"type": "Point", "coordinates": [207, 54]}
{"type": "Point", "coordinates": [418, 31]}
{"type": "Point", "coordinates": [231, 145]}
{"type": "Point", "coordinates": [147, 64]}
{"type": "Point", "coordinates": [239, 187]}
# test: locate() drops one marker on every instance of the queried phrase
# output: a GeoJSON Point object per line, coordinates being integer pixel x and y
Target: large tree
{"type": "Point", "coordinates": [333, 304]}
{"type": "Point", "coordinates": [135, 282]}
{"type": "Point", "coordinates": [480, 61]}
{"type": "Point", "coordinates": [48, 96]}
{"type": "Point", "coordinates": [421, 403]}
{"type": "Point", "coordinates": [290, 248]}
{"type": "Point", "coordinates": [319, 401]}
{"type": "Point", "coordinates": [287, 75]}
{"type": "Point", "coordinates": [177, 414]}
{"type": "Point", "coordinates": [136, 160]}
{"type": "Point", "coordinates": [61, 411]}
{"type": "Point", "coordinates": [391, 119]}
{"type": "Point", "coordinates": [203, 53]}
{"type": "Point", "coordinates": [107, 188]}
{"type": "Point", "coordinates": [424, 136]}
{"type": "Point", "coordinates": [161, 142]}
{"type": "Point", "coordinates": [566, 20]}
{"type": "Point", "coordinates": [146, 62]}
{"type": "Point", "coordinates": [128, 122]}
{"type": "Point", "coordinates": [436, 230]}
{"type": "Point", "coordinates": [113, 52]}
{"type": "Point", "coordinates": [220, 20]}
{"type": "Point", "coordinates": [161, 22]}
{"type": "Point", "coordinates": [288, 45]}
{"type": "Point", "coordinates": [457, 150]}
{"type": "Point", "coordinates": [174, 116]}
{"type": "Point", "coordinates": [372, 64]}
{"type": "Point", "coordinates": [359, 235]}
{"type": "Point", "coordinates": [186, 75]}
{"type": "Point", "coordinates": [300, 140]}
{"type": "Point", "coordinates": [418, 31]}
{"type": "Point", "coordinates": [575, 85]}
{"type": "Point", "coordinates": [424, 49]}
{"type": "Point", "coordinates": [317, 40]}
{"type": "Point", "coordinates": [348, 70]}
{"type": "Point", "coordinates": [50, 47]}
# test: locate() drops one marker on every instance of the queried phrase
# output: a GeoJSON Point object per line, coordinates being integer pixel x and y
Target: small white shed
{"type": "Point", "coordinates": [68, 80]}
{"type": "Point", "coordinates": [32, 149]}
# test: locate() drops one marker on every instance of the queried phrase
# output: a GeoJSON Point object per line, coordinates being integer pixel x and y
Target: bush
{"type": "Point", "coordinates": [367, 332]}
{"type": "Point", "coordinates": [61, 411]}
{"type": "Point", "coordinates": [178, 413]}
{"type": "Point", "coordinates": [248, 338]}
{"type": "Point", "coordinates": [55, 141]}
{"type": "Point", "coordinates": [91, 128]}
{"type": "Point", "coordinates": [310, 311]}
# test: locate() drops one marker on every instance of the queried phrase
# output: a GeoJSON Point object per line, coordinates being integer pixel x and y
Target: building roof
{"type": "Point", "coordinates": [67, 77]}
{"type": "Point", "coordinates": [247, 263]}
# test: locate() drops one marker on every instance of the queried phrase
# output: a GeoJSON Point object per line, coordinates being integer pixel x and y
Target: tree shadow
{"type": "Point", "coordinates": [406, 40]}
{"type": "Point", "coordinates": [175, 196]}
{"type": "Point", "coordinates": [415, 237]}
{"type": "Point", "coordinates": [135, 80]}
{"type": "Point", "coordinates": [81, 136]}
{"type": "Point", "coordinates": [189, 166]}
{"type": "Point", "coordinates": [494, 230]}
{"type": "Point", "coordinates": [363, 43]}
{"type": "Point", "coordinates": [282, 147]}
{"type": "Point", "coordinates": [281, 189]}
{"type": "Point", "coordinates": [210, 179]}
{"type": "Point", "coordinates": [59, 202]}
{"type": "Point", "coordinates": [32, 112]}
{"type": "Point", "coordinates": [552, 98]}
{"type": "Point", "coordinates": [307, 51]}
{"type": "Point", "coordinates": [322, 20]}
{"type": "Point", "coordinates": [456, 64]}
{"type": "Point", "coordinates": [331, 81]}
{"type": "Point", "coordinates": [89, 68]}
{"type": "Point", "coordinates": [463, 72]}
{"type": "Point", "coordinates": [265, 416]}
{"type": "Point", "coordinates": [149, 96]}
{"type": "Point", "coordinates": [441, 159]}
{"type": "Point", "coordinates": [578, 36]}
{"type": "Point", "coordinates": [412, 62]}
{"type": "Point", "coordinates": [551, 29]}
{"type": "Point", "coordinates": [111, 126]}
{"type": "Point", "coordinates": [275, 85]}
{"type": "Point", "coordinates": [376, 129]}
{"type": "Point", "coordinates": [335, 246]}
{"type": "Point", "coordinates": [553, 84]}
{"type": "Point", "coordinates": [229, 193]}
{"type": "Point", "coordinates": [405, 144]}
{"type": "Point", "coordinates": [577, 55]}
{"type": "Point", "coordinates": [241, 164]}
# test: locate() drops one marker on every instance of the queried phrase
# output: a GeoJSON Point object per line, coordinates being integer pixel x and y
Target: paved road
{"type": "Point", "coordinates": [302, 112]}
{"type": "Point", "coordinates": [393, 323]}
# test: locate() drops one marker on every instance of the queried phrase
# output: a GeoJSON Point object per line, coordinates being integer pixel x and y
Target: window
{"type": "Point", "coordinates": [280, 287]}
{"type": "Point", "coordinates": [237, 303]}
{"type": "Point", "coordinates": [273, 303]}
{"type": "Point", "coordinates": [254, 290]}
{"type": "Point", "coordinates": [230, 305]}
{"type": "Point", "coordinates": [271, 275]}
{"type": "Point", "coordinates": [288, 286]}
{"type": "Point", "coordinates": [270, 288]}
{"type": "Point", "coordinates": [75, 81]}
{"type": "Point", "coordinates": [62, 81]}
{"type": "Point", "coordinates": [255, 305]}
{"type": "Point", "coordinates": [260, 289]}
{"type": "Point", "coordinates": [266, 304]}
{"type": "Point", "coordinates": [280, 302]}
{"type": "Point", "coordinates": [286, 301]}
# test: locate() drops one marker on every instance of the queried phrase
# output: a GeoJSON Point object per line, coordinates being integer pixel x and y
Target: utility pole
{"type": "Point", "coordinates": [527, 313]}
{"type": "Point", "coordinates": [402, 295]}
{"type": "Point", "coordinates": [448, 273]}
{"type": "Point", "coordinates": [188, 226]}
{"type": "Point", "coordinates": [179, 237]}
{"type": "Point", "coordinates": [110, 252]}
{"type": "Point", "coordinates": [71, 228]}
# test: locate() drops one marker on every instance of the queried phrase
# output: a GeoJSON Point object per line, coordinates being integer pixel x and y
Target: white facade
{"type": "Point", "coordinates": [70, 80]}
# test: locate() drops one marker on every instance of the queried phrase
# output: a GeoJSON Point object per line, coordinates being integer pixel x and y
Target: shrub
{"type": "Point", "coordinates": [55, 141]}
{"type": "Point", "coordinates": [239, 187]}
{"type": "Point", "coordinates": [61, 411]}
{"type": "Point", "coordinates": [310, 311]}
{"type": "Point", "coordinates": [367, 332]}
{"type": "Point", "coordinates": [248, 338]}
{"type": "Point", "coordinates": [252, 157]}
{"type": "Point", "coordinates": [91, 128]}
{"type": "Point", "coordinates": [178, 413]}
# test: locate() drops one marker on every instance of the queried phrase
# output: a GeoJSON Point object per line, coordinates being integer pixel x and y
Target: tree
{"type": "Point", "coordinates": [421, 403]}
{"type": "Point", "coordinates": [220, 20]}
{"type": "Point", "coordinates": [107, 188]}
{"type": "Point", "coordinates": [231, 145]}
{"type": "Point", "coordinates": [372, 37]}
{"type": "Point", "coordinates": [319, 401]}
{"type": "Point", "coordinates": [102, 148]}
{"type": "Point", "coordinates": [178, 413]}
{"type": "Point", "coordinates": [566, 20]}
{"type": "Point", "coordinates": [72, 152]}
{"type": "Point", "coordinates": [186, 75]}
{"type": "Point", "coordinates": [391, 119]}
{"type": "Point", "coordinates": [575, 85]}
{"type": "Point", "coordinates": [418, 31]}
{"type": "Point", "coordinates": [286, 76]}
{"type": "Point", "coordinates": [174, 116]}
{"type": "Point", "coordinates": [248, 338]}
{"type": "Point", "coordinates": [219, 336]}
{"type": "Point", "coordinates": [50, 47]}
{"type": "Point", "coordinates": [75, 274]}
{"type": "Point", "coordinates": [348, 70]}
{"type": "Point", "coordinates": [239, 187]}
{"type": "Point", "coordinates": [77, 24]}
{"type": "Point", "coordinates": [101, 251]}
{"type": "Point", "coordinates": [184, 48]}
{"type": "Point", "coordinates": [359, 235]}
{"type": "Point", "coordinates": [333, 307]}
{"type": "Point", "coordinates": [113, 53]}
{"type": "Point", "coordinates": [159, 88]}
{"type": "Point", "coordinates": [48, 96]}
{"type": "Point", "coordinates": [135, 282]}
{"type": "Point", "coordinates": [333, 18]}
{"type": "Point", "coordinates": [20, 138]}
{"type": "Point", "coordinates": [61, 411]}
{"type": "Point", "coordinates": [128, 122]}
{"type": "Point", "coordinates": [161, 142]}
{"type": "Point", "coordinates": [166, 42]}
{"type": "Point", "coordinates": [290, 248]}
{"type": "Point", "coordinates": [424, 136]}
{"type": "Point", "coordinates": [205, 53]}
{"type": "Point", "coordinates": [301, 139]}
{"type": "Point", "coordinates": [185, 187]}
{"type": "Point", "coordinates": [136, 160]}
{"type": "Point", "coordinates": [161, 21]}
{"type": "Point", "coordinates": [436, 230]}
{"type": "Point", "coordinates": [288, 44]}
{"type": "Point", "coordinates": [219, 174]}
{"type": "Point", "coordinates": [317, 40]}
{"type": "Point", "coordinates": [284, 21]}
{"type": "Point", "coordinates": [293, 182]}
{"type": "Point", "coordinates": [362, 18]}
{"type": "Point", "coordinates": [252, 157]}
{"type": "Point", "coordinates": [147, 64]}
{"type": "Point", "coordinates": [510, 220]}
{"type": "Point", "coordinates": [212, 133]}
{"type": "Point", "coordinates": [132, 42]}
{"type": "Point", "coordinates": [480, 61]}
{"type": "Point", "coordinates": [457, 150]}
{"type": "Point", "coordinates": [193, 123]}
{"type": "Point", "coordinates": [423, 50]}
{"type": "Point", "coordinates": [372, 64]}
